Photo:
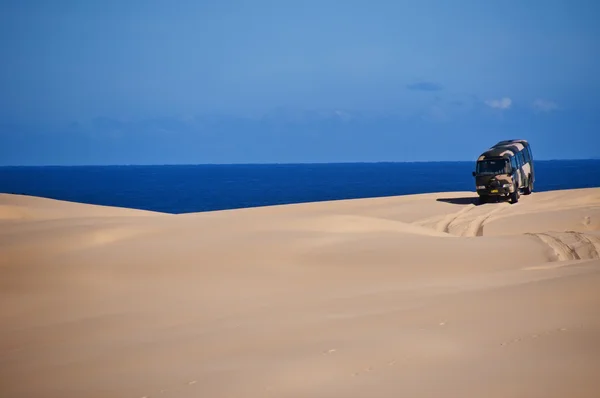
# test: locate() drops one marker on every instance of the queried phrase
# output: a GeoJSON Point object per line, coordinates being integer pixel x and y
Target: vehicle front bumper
{"type": "Point", "coordinates": [494, 191]}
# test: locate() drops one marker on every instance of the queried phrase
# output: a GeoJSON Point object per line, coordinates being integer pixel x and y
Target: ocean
{"type": "Point", "coordinates": [198, 188]}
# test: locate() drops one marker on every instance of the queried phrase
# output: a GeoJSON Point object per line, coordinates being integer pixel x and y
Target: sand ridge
{"type": "Point", "coordinates": [422, 295]}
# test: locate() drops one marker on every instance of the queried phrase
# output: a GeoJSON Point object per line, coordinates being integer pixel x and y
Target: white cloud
{"type": "Point", "coordinates": [544, 105]}
{"type": "Point", "coordinates": [503, 103]}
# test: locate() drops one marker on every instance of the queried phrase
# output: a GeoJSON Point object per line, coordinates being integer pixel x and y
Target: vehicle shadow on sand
{"type": "Point", "coordinates": [467, 200]}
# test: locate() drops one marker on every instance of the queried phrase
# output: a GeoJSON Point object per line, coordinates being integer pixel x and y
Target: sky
{"type": "Point", "coordinates": [223, 81]}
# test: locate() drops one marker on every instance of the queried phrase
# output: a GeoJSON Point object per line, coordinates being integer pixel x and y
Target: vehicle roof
{"type": "Point", "coordinates": [504, 149]}
{"type": "Point", "coordinates": [513, 141]}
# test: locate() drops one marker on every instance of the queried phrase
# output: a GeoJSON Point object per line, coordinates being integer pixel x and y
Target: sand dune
{"type": "Point", "coordinates": [22, 207]}
{"type": "Point", "coordinates": [424, 296]}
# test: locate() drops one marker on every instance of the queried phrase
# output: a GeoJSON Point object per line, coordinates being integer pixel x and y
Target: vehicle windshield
{"type": "Point", "coordinates": [499, 166]}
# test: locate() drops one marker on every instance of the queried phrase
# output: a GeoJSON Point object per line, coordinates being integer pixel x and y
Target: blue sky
{"type": "Point", "coordinates": [154, 82]}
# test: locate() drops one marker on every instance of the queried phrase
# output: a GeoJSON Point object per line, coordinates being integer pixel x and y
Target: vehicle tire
{"type": "Point", "coordinates": [483, 199]}
{"type": "Point", "coordinates": [529, 188]}
{"type": "Point", "coordinates": [514, 196]}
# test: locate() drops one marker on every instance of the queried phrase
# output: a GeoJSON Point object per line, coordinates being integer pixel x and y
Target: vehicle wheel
{"type": "Point", "coordinates": [529, 188]}
{"type": "Point", "coordinates": [483, 199]}
{"type": "Point", "coordinates": [514, 196]}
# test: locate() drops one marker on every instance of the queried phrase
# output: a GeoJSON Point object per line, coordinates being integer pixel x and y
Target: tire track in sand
{"type": "Point", "coordinates": [588, 241]}
{"type": "Point", "coordinates": [444, 224]}
{"type": "Point", "coordinates": [475, 227]}
{"type": "Point", "coordinates": [563, 251]}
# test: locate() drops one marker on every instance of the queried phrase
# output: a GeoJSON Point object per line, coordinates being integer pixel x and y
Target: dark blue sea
{"type": "Point", "coordinates": [196, 188]}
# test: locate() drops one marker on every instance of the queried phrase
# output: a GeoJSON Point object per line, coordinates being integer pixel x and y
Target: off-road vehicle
{"type": "Point", "coordinates": [505, 170]}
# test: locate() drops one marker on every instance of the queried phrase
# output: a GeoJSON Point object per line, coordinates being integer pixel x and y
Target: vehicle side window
{"type": "Point", "coordinates": [526, 155]}
{"type": "Point", "coordinates": [513, 163]}
{"type": "Point", "coordinates": [521, 159]}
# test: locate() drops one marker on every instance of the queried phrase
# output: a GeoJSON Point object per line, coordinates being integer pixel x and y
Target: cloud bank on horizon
{"type": "Point", "coordinates": [221, 82]}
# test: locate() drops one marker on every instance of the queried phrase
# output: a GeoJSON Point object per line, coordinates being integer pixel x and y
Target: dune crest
{"type": "Point", "coordinates": [347, 223]}
{"type": "Point", "coordinates": [31, 207]}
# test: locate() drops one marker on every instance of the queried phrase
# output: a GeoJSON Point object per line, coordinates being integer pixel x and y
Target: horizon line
{"type": "Point", "coordinates": [269, 163]}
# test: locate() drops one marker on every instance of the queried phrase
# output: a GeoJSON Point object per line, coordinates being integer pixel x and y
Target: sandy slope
{"type": "Point", "coordinates": [421, 296]}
